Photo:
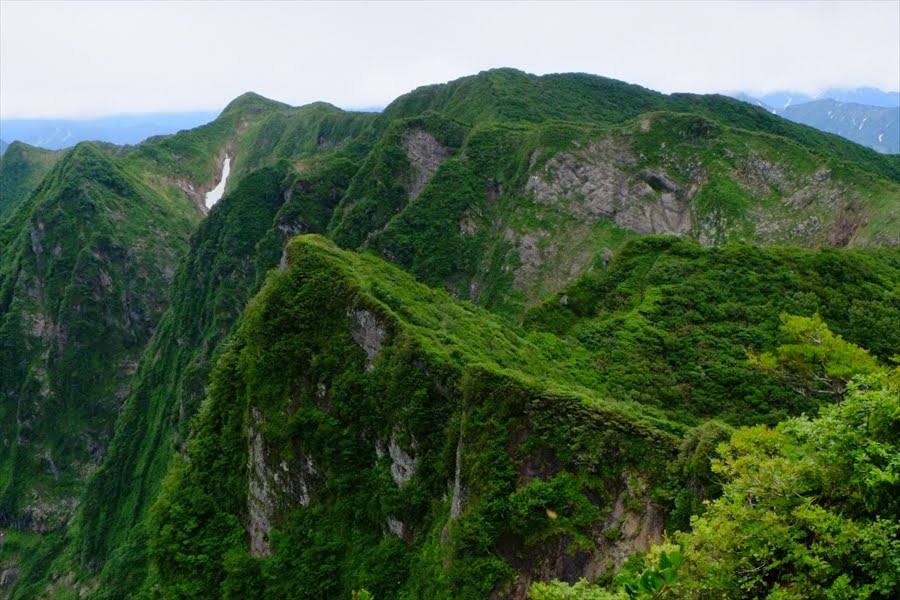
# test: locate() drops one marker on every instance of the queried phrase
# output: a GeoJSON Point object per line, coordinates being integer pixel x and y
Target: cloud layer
{"type": "Point", "coordinates": [71, 59]}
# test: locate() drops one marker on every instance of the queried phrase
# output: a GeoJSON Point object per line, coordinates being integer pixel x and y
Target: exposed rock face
{"type": "Point", "coordinates": [425, 155]}
{"type": "Point", "coordinates": [780, 205]}
{"type": "Point", "coordinates": [458, 501]}
{"type": "Point", "coordinates": [8, 577]}
{"type": "Point", "coordinates": [833, 212]}
{"type": "Point", "coordinates": [369, 333]}
{"type": "Point", "coordinates": [395, 527]}
{"type": "Point", "coordinates": [597, 182]}
{"type": "Point", "coordinates": [531, 255]}
{"type": "Point", "coordinates": [403, 466]}
{"type": "Point", "coordinates": [260, 499]}
{"type": "Point", "coordinates": [269, 487]}
{"type": "Point", "coordinates": [635, 523]}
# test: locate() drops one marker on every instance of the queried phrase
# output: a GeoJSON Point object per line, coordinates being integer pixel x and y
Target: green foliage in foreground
{"type": "Point", "coordinates": [813, 359]}
{"type": "Point", "coordinates": [809, 509]}
{"type": "Point", "coordinates": [581, 590]}
{"type": "Point", "coordinates": [653, 582]}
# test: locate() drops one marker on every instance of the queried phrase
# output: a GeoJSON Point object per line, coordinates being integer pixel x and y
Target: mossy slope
{"type": "Point", "coordinates": [487, 187]}
{"type": "Point", "coordinates": [85, 264]}
{"type": "Point", "coordinates": [404, 446]}
{"type": "Point", "coordinates": [22, 167]}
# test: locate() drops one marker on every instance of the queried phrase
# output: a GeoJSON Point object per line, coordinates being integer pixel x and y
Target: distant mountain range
{"type": "Point", "coordinates": [864, 95]}
{"type": "Point", "coordinates": [866, 116]}
{"type": "Point", "coordinates": [57, 134]}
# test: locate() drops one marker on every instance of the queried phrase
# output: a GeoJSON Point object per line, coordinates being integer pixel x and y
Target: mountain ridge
{"type": "Point", "coordinates": [536, 212]}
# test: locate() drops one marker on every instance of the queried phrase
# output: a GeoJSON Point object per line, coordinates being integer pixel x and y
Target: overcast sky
{"type": "Point", "coordinates": [80, 59]}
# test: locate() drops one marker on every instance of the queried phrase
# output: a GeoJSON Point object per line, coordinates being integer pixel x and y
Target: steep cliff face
{"type": "Point", "coordinates": [391, 430]}
{"type": "Point", "coordinates": [518, 210]}
{"type": "Point", "coordinates": [83, 286]}
{"type": "Point", "coordinates": [229, 255]}
{"type": "Point", "coordinates": [364, 430]}
{"type": "Point", "coordinates": [716, 190]}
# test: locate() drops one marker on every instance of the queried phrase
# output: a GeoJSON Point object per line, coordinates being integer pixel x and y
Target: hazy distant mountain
{"type": "Point", "coordinates": [866, 116]}
{"type": "Point", "coordinates": [751, 100]}
{"type": "Point", "coordinates": [864, 95]}
{"type": "Point", "coordinates": [56, 134]}
{"type": "Point", "coordinates": [3, 147]}
{"type": "Point", "coordinates": [877, 127]}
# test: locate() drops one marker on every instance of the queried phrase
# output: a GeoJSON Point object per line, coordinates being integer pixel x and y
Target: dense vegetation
{"type": "Point", "coordinates": [82, 280]}
{"type": "Point", "coordinates": [809, 508]}
{"type": "Point", "coordinates": [307, 421]}
{"type": "Point", "coordinates": [22, 167]}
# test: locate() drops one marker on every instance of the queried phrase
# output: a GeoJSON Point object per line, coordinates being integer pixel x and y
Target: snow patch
{"type": "Point", "coordinates": [215, 194]}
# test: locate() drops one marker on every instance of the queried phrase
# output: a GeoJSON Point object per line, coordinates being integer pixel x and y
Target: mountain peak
{"type": "Point", "coordinates": [253, 103]}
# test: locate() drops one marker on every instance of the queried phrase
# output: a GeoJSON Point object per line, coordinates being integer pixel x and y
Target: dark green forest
{"type": "Point", "coordinates": [555, 337]}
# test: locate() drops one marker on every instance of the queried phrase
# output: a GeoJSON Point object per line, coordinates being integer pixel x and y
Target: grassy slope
{"type": "Point", "coordinates": [84, 268]}
{"type": "Point", "coordinates": [22, 168]}
{"type": "Point", "coordinates": [493, 122]}
{"type": "Point", "coordinates": [537, 421]}
{"type": "Point", "coordinates": [230, 253]}
{"type": "Point", "coordinates": [447, 376]}
{"type": "Point", "coordinates": [670, 323]}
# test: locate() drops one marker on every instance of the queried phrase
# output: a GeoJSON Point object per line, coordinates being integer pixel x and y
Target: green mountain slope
{"type": "Point", "coordinates": [670, 323]}
{"type": "Point", "coordinates": [397, 423]}
{"type": "Point", "coordinates": [511, 95]}
{"type": "Point", "coordinates": [505, 213]}
{"type": "Point", "coordinates": [525, 195]}
{"type": "Point", "coordinates": [22, 167]}
{"type": "Point", "coordinates": [376, 433]}
{"type": "Point", "coordinates": [84, 268]}
{"type": "Point", "coordinates": [229, 256]}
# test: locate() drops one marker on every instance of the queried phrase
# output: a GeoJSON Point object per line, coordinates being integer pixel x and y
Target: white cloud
{"type": "Point", "coordinates": [91, 58]}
